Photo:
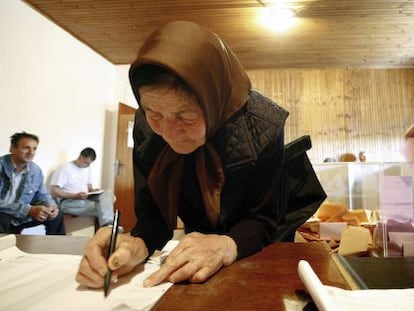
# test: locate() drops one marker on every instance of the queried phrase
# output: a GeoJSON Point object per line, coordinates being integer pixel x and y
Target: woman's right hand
{"type": "Point", "coordinates": [129, 252]}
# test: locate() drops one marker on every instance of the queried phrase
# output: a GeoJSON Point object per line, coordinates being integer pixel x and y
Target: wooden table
{"type": "Point", "coordinates": [267, 280]}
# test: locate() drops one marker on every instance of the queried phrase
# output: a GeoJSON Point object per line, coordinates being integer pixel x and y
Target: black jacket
{"type": "Point", "coordinates": [251, 147]}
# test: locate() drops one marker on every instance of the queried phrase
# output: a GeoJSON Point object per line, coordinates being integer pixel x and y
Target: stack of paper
{"type": "Point", "coordinates": [47, 282]}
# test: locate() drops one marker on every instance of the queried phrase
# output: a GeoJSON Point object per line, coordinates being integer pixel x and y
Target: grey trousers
{"type": "Point", "coordinates": [96, 205]}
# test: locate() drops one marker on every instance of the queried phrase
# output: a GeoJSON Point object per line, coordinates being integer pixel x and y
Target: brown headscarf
{"type": "Point", "coordinates": [219, 82]}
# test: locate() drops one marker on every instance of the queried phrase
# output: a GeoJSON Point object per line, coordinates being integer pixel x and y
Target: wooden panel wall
{"type": "Point", "coordinates": [344, 110]}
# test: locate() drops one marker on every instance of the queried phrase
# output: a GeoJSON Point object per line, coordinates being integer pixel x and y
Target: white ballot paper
{"type": "Point", "coordinates": [47, 282]}
{"type": "Point", "coordinates": [95, 192]}
{"type": "Point", "coordinates": [329, 298]}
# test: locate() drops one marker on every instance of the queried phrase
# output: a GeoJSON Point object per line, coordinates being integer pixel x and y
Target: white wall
{"type": "Point", "coordinates": [58, 88]}
{"type": "Point", "coordinates": [123, 90]}
{"type": "Point", "coordinates": [123, 94]}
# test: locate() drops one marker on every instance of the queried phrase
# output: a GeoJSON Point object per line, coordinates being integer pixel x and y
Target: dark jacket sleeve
{"type": "Point", "coordinates": [303, 193]}
{"type": "Point", "coordinates": [251, 145]}
{"type": "Point", "coordinates": [262, 202]}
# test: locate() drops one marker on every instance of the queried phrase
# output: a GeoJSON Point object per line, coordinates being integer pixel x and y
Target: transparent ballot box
{"type": "Point", "coordinates": [384, 191]}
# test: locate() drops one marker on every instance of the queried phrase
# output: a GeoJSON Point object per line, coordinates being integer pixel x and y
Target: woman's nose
{"type": "Point", "coordinates": [170, 127]}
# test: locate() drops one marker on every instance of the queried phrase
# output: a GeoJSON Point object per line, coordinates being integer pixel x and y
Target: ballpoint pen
{"type": "Point", "coordinates": [111, 248]}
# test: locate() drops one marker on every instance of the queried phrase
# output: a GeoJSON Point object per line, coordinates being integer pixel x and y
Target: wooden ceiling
{"type": "Point", "coordinates": [328, 33]}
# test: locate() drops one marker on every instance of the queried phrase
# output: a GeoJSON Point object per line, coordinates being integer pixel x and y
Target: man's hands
{"type": "Point", "coordinates": [80, 196]}
{"type": "Point", "coordinates": [196, 258]}
{"type": "Point", "coordinates": [129, 253]}
{"type": "Point", "coordinates": [58, 192]}
{"type": "Point", "coordinates": [42, 213]}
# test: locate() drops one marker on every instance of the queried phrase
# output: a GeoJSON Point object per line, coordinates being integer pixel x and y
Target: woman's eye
{"type": "Point", "coordinates": [154, 115]}
{"type": "Point", "coordinates": [188, 117]}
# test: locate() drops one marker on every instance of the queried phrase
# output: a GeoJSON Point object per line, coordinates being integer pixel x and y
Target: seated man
{"type": "Point", "coordinates": [24, 200]}
{"type": "Point", "coordinates": [71, 185]}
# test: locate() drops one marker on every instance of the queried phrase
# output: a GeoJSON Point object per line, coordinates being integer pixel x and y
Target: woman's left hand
{"type": "Point", "coordinates": [196, 258]}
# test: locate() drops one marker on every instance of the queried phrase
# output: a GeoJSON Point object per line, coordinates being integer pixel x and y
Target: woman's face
{"type": "Point", "coordinates": [175, 116]}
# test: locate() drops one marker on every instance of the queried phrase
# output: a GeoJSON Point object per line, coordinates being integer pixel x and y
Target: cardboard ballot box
{"type": "Point", "coordinates": [375, 195]}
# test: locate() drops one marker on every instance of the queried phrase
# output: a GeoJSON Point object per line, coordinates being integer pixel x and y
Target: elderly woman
{"type": "Point", "coordinates": [208, 149]}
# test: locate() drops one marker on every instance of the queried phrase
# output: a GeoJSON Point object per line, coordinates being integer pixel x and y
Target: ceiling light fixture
{"type": "Point", "coordinates": [279, 17]}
